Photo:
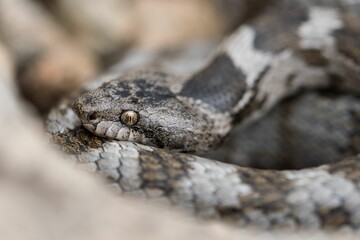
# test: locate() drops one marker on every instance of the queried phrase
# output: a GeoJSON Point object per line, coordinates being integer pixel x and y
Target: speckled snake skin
{"type": "Point", "coordinates": [290, 46]}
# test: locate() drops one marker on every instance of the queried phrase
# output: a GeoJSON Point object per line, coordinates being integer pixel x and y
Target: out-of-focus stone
{"type": "Point", "coordinates": [104, 26]}
{"type": "Point", "coordinates": [53, 74]}
{"type": "Point", "coordinates": [6, 67]}
{"type": "Point", "coordinates": [110, 25]}
{"type": "Point", "coordinates": [50, 62]}
{"type": "Point", "coordinates": [165, 24]}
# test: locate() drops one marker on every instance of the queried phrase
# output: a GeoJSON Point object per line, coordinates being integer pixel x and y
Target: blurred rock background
{"type": "Point", "coordinates": [59, 45]}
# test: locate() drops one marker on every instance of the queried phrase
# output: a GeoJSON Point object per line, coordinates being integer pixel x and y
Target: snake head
{"type": "Point", "coordinates": [143, 111]}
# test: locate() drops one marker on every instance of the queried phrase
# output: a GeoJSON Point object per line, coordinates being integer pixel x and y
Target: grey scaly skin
{"type": "Point", "coordinates": [290, 45]}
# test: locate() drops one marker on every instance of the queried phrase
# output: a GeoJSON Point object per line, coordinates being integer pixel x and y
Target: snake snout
{"type": "Point", "coordinates": [85, 116]}
{"type": "Point", "coordinates": [77, 108]}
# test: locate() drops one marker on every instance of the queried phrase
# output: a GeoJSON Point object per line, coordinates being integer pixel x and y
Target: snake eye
{"type": "Point", "coordinates": [129, 118]}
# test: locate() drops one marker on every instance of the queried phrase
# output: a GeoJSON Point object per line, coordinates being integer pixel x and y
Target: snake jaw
{"type": "Point", "coordinates": [89, 127]}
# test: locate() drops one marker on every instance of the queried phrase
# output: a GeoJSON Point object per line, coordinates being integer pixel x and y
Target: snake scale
{"type": "Point", "coordinates": [289, 46]}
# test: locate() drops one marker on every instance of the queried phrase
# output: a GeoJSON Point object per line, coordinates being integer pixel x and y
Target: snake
{"type": "Point", "coordinates": [293, 64]}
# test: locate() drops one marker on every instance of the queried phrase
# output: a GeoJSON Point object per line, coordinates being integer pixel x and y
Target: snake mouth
{"type": "Point", "coordinates": [89, 127]}
{"type": "Point", "coordinates": [159, 143]}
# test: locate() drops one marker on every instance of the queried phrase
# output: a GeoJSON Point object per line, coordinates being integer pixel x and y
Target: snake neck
{"type": "Point", "coordinates": [246, 77]}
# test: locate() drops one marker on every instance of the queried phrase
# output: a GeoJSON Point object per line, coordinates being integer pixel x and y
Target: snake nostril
{"type": "Point", "coordinates": [92, 117]}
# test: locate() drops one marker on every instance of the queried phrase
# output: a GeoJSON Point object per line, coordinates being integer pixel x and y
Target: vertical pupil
{"type": "Point", "coordinates": [128, 118]}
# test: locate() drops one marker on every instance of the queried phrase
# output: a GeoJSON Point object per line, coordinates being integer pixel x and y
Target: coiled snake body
{"type": "Point", "coordinates": [290, 45]}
